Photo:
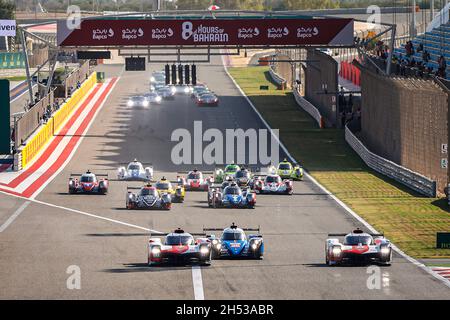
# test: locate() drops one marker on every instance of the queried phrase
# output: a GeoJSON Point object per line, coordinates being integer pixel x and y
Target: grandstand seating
{"type": "Point", "coordinates": [436, 42]}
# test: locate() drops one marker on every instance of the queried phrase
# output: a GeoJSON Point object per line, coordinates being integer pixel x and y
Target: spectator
{"type": "Point", "coordinates": [420, 47]}
{"type": "Point", "coordinates": [409, 49]}
{"type": "Point", "coordinates": [426, 56]}
{"type": "Point", "coordinates": [78, 84]}
{"type": "Point", "coordinates": [442, 66]}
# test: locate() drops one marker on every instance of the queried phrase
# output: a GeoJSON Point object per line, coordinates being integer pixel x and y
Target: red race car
{"type": "Point", "coordinates": [88, 183]}
{"type": "Point", "coordinates": [209, 99]}
{"type": "Point", "coordinates": [195, 181]}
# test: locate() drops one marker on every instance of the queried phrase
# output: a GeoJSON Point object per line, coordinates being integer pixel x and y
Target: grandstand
{"type": "Point", "coordinates": [436, 42]}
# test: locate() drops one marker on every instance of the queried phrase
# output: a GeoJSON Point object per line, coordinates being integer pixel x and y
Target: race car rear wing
{"type": "Point", "coordinates": [201, 234]}
{"type": "Point", "coordinates": [344, 234]}
{"type": "Point", "coordinates": [221, 229]}
{"type": "Point", "coordinates": [127, 163]}
{"type": "Point", "coordinates": [80, 174]}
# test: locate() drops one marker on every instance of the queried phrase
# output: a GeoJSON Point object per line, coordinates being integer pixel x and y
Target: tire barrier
{"type": "Point", "coordinates": [350, 72]}
{"type": "Point", "coordinates": [411, 179]}
{"type": "Point", "coordinates": [44, 133]}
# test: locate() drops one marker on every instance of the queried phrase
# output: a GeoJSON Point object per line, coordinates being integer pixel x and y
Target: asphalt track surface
{"type": "Point", "coordinates": [43, 241]}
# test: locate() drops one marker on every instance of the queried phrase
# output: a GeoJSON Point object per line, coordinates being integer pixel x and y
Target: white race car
{"type": "Point", "coordinates": [135, 171]}
{"type": "Point", "coordinates": [272, 184]}
{"type": "Point", "coordinates": [358, 247]}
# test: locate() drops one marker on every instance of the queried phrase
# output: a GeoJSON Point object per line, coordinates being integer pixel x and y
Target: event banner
{"type": "Point", "coordinates": [219, 32]}
{"type": "Point", "coordinates": [7, 28]}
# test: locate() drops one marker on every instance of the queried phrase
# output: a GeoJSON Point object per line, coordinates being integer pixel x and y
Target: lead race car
{"type": "Point", "coordinates": [358, 247]}
{"type": "Point", "coordinates": [287, 170]}
{"type": "Point", "coordinates": [179, 247]}
{"type": "Point", "coordinates": [88, 183]}
{"type": "Point", "coordinates": [234, 243]}
{"type": "Point", "coordinates": [272, 184]}
{"type": "Point", "coordinates": [135, 171]}
{"type": "Point", "coordinates": [195, 181]}
{"type": "Point", "coordinates": [231, 196]}
{"type": "Point", "coordinates": [147, 198]}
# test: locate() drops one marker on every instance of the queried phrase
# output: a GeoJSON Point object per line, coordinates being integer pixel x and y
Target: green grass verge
{"type": "Point", "coordinates": [16, 78]}
{"type": "Point", "coordinates": [409, 220]}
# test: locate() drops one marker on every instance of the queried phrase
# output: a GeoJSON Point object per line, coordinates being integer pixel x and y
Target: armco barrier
{"type": "Point", "coordinates": [35, 144]}
{"type": "Point", "coordinates": [277, 78]}
{"type": "Point", "coordinates": [409, 178]}
{"type": "Point", "coordinates": [308, 107]}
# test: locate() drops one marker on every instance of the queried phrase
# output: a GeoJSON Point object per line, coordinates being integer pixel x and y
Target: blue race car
{"type": "Point", "coordinates": [232, 196]}
{"type": "Point", "coordinates": [234, 243]}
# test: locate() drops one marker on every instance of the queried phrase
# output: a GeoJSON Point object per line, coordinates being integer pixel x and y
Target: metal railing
{"type": "Point", "coordinates": [308, 107]}
{"type": "Point", "coordinates": [276, 77]}
{"type": "Point", "coordinates": [411, 179]}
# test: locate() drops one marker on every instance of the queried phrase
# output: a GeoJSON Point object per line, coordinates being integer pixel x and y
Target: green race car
{"type": "Point", "coordinates": [229, 172]}
{"type": "Point", "coordinates": [288, 171]}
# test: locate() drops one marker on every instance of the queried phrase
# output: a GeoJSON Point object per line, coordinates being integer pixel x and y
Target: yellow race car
{"type": "Point", "coordinates": [176, 192]}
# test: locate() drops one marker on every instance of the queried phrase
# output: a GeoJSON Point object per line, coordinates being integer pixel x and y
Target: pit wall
{"type": "Point", "coordinates": [46, 132]}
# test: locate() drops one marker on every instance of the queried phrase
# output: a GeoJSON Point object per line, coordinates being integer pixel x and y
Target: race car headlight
{"type": "Point", "coordinates": [186, 90]}
{"type": "Point", "coordinates": [152, 79]}
{"type": "Point", "coordinates": [156, 251]}
{"type": "Point", "coordinates": [173, 89]}
{"type": "Point", "coordinates": [215, 242]}
{"type": "Point", "coordinates": [254, 245]}
{"type": "Point", "coordinates": [204, 250]}
{"type": "Point", "coordinates": [336, 251]}
{"type": "Point", "coordinates": [158, 99]}
{"type": "Point", "coordinates": [385, 250]}
{"type": "Point", "coordinates": [145, 103]}
{"type": "Point", "coordinates": [130, 103]}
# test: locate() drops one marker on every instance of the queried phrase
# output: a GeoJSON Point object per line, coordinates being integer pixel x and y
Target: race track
{"type": "Point", "coordinates": [38, 246]}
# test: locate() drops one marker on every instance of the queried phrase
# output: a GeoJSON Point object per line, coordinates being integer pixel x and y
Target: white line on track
{"type": "Point", "coordinates": [342, 204]}
{"type": "Point", "coordinates": [14, 216]}
{"type": "Point", "coordinates": [198, 283]}
{"type": "Point", "coordinates": [91, 215]}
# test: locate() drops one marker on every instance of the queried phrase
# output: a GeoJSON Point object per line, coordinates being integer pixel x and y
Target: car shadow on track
{"type": "Point", "coordinates": [144, 267]}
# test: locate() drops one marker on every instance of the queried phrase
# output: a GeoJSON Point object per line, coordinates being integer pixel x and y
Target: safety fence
{"type": "Point", "coordinates": [309, 108]}
{"type": "Point", "coordinates": [277, 78]}
{"type": "Point", "coordinates": [411, 179]}
{"type": "Point", "coordinates": [31, 120]}
{"type": "Point", "coordinates": [44, 134]}
{"type": "Point", "coordinates": [71, 81]}
{"type": "Point", "coordinates": [350, 72]}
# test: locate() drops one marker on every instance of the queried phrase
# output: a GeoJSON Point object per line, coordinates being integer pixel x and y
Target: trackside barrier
{"type": "Point", "coordinates": [309, 108]}
{"type": "Point", "coordinates": [33, 146]}
{"type": "Point", "coordinates": [277, 79]}
{"type": "Point", "coordinates": [411, 179]}
{"type": "Point", "coordinates": [350, 72]}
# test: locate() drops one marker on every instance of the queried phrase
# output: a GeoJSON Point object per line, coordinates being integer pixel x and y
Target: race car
{"type": "Point", "coordinates": [234, 243]}
{"type": "Point", "coordinates": [207, 99]}
{"type": "Point", "coordinates": [158, 76]}
{"type": "Point", "coordinates": [230, 171]}
{"type": "Point", "coordinates": [358, 247]}
{"type": "Point", "coordinates": [88, 183]}
{"type": "Point", "coordinates": [138, 101]}
{"type": "Point", "coordinates": [288, 171]}
{"type": "Point", "coordinates": [232, 196]}
{"type": "Point", "coordinates": [199, 90]}
{"type": "Point", "coordinates": [166, 93]}
{"type": "Point", "coordinates": [195, 181]}
{"type": "Point", "coordinates": [272, 184]}
{"type": "Point", "coordinates": [243, 177]}
{"type": "Point", "coordinates": [183, 89]}
{"type": "Point", "coordinates": [153, 97]}
{"type": "Point", "coordinates": [176, 193]}
{"type": "Point", "coordinates": [179, 247]}
{"type": "Point", "coordinates": [217, 187]}
{"type": "Point", "coordinates": [135, 171]}
{"type": "Point", "coordinates": [154, 87]}
{"type": "Point", "coordinates": [147, 198]}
